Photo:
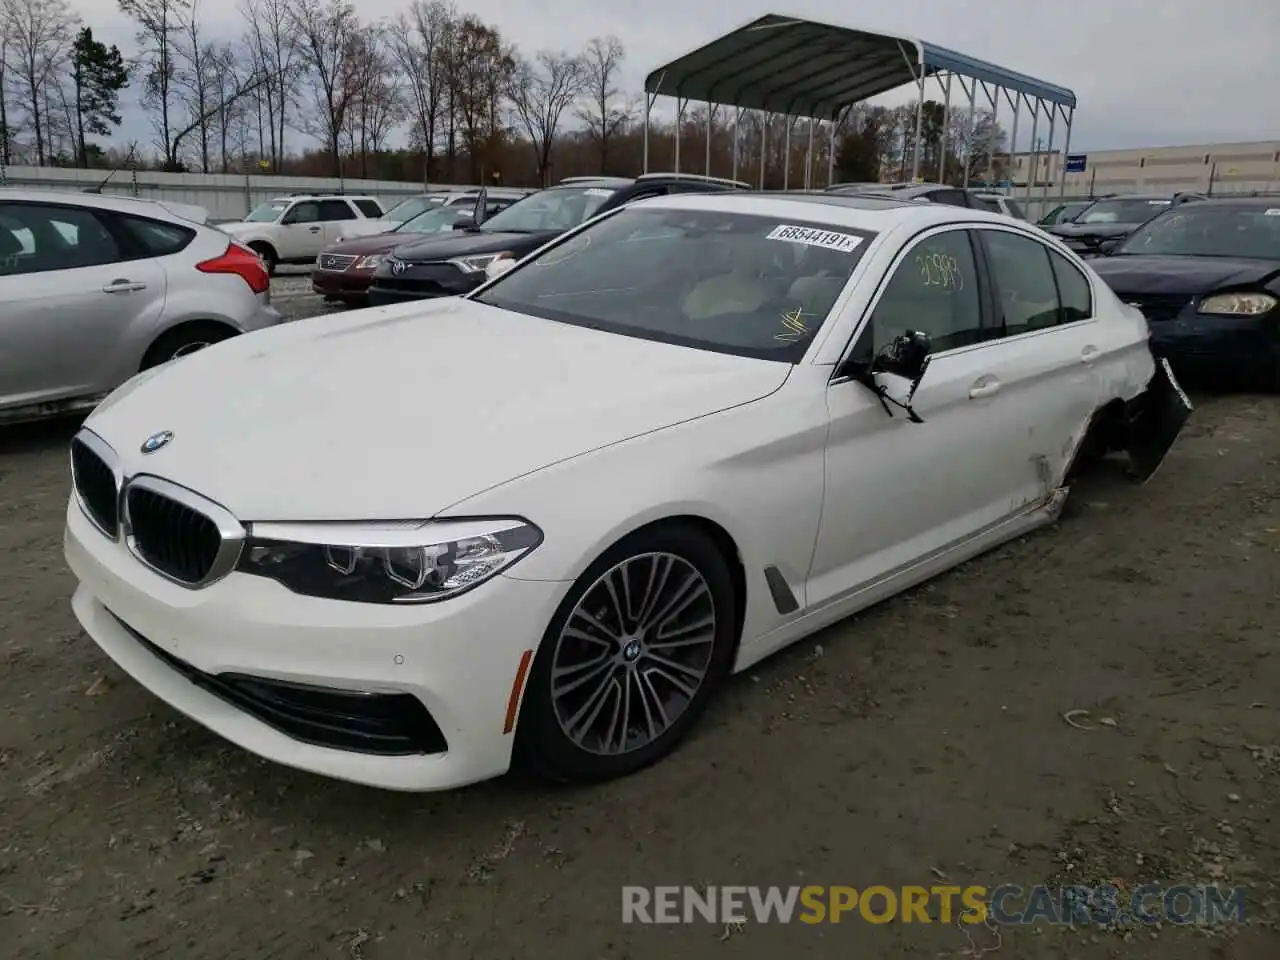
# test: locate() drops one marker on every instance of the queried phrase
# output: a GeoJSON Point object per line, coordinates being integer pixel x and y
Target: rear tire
{"type": "Point", "coordinates": [268, 255]}
{"type": "Point", "coordinates": [184, 340]}
{"type": "Point", "coordinates": [633, 667]}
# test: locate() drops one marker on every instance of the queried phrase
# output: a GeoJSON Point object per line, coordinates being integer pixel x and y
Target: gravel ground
{"type": "Point", "coordinates": [924, 738]}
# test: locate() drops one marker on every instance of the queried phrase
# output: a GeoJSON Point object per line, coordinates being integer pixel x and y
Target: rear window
{"type": "Point", "coordinates": [727, 282]}
{"type": "Point", "coordinates": [984, 203]}
{"type": "Point", "coordinates": [156, 238]}
{"type": "Point", "coordinates": [1014, 209]}
{"type": "Point", "coordinates": [369, 208]}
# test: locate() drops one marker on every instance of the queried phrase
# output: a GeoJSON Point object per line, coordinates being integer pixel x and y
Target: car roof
{"type": "Point", "coordinates": [1266, 203]}
{"type": "Point", "coordinates": [873, 213]}
{"type": "Point", "coordinates": [121, 203]}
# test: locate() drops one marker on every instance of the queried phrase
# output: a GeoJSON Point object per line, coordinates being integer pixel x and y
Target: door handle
{"type": "Point", "coordinates": [984, 388]}
{"type": "Point", "coordinates": [315, 229]}
{"type": "Point", "coordinates": [123, 286]}
{"type": "Point", "coordinates": [1089, 354]}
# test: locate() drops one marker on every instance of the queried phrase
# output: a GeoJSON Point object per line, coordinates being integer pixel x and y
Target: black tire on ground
{"type": "Point", "coordinates": [183, 340]}
{"type": "Point", "coordinates": [541, 740]}
{"type": "Point", "coordinates": [268, 255]}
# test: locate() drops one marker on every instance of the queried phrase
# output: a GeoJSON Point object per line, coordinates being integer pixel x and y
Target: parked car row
{"type": "Point", "coordinates": [675, 435]}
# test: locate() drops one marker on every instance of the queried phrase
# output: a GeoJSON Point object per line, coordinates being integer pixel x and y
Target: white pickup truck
{"type": "Point", "coordinates": [295, 229]}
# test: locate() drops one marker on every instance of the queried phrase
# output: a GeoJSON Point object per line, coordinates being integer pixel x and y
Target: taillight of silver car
{"type": "Point", "coordinates": [243, 262]}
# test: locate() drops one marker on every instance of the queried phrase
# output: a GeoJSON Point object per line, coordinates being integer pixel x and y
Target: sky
{"type": "Point", "coordinates": [1146, 73]}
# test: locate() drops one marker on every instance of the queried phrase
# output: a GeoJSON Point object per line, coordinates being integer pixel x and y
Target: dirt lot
{"type": "Point", "coordinates": [924, 738]}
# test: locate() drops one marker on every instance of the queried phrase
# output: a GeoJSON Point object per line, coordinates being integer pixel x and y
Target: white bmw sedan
{"type": "Point", "coordinates": [407, 545]}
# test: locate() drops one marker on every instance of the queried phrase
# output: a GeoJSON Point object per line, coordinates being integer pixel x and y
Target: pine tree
{"type": "Point", "coordinates": [99, 74]}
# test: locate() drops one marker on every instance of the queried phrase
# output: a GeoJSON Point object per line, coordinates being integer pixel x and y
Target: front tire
{"type": "Point", "coordinates": [631, 658]}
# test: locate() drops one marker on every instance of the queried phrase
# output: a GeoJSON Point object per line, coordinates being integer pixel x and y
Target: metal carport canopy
{"type": "Point", "coordinates": [784, 64]}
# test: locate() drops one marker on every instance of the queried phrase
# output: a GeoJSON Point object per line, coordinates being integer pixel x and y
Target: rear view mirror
{"type": "Point", "coordinates": [1108, 247]}
{"type": "Point", "coordinates": [904, 360]}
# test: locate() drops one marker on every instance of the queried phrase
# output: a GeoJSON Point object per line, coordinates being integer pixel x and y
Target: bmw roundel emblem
{"type": "Point", "coordinates": [156, 441]}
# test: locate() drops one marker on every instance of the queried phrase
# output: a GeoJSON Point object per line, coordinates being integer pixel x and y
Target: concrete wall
{"type": "Point", "coordinates": [225, 196]}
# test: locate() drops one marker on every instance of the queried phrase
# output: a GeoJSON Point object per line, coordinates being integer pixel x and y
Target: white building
{"type": "Point", "coordinates": [1206, 167]}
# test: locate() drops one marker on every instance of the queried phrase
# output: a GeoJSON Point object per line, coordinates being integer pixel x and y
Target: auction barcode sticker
{"type": "Point", "coordinates": [809, 236]}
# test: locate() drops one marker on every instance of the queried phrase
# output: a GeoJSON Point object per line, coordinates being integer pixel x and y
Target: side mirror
{"type": "Point", "coordinates": [895, 372]}
{"type": "Point", "coordinates": [905, 356]}
{"type": "Point", "coordinates": [1108, 247]}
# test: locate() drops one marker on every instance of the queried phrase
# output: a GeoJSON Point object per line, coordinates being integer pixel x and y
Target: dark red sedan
{"type": "Point", "coordinates": [345, 270]}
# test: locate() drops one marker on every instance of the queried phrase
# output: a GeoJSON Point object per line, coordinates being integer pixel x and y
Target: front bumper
{"type": "Point", "coordinates": [460, 659]}
{"type": "Point", "coordinates": [1247, 348]}
{"type": "Point", "coordinates": [426, 281]}
{"type": "Point", "coordinates": [346, 285]}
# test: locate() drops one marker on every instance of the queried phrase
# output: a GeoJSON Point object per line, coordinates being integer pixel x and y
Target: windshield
{"type": "Point", "coordinates": [267, 212]}
{"type": "Point", "coordinates": [434, 221]}
{"type": "Point", "coordinates": [1194, 230]}
{"type": "Point", "coordinates": [727, 282]}
{"type": "Point", "coordinates": [562, 208]}
{"type": "Point", "coordinates": [410, 208]}
{"type": "Point", "coordinates": [1122, 211]}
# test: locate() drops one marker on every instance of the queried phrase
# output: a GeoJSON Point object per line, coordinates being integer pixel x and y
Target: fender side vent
{"type": "Point", "coordinates": [783, 598]}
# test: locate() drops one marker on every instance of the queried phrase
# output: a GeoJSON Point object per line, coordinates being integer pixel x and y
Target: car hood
{"type": "Point", "coordinates": [379, 243]}
{"type": "Point", "coordinates": [400, 412]}
{"type": "Point", "coordinates": [462, 243]}
{"type": "Point", "coordinates": [1191, 276]}
{"type": "Point", "coordinates": [1069, 230]}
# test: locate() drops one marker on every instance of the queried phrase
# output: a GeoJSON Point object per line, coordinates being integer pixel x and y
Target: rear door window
{"type": "Point", "coordinates": [153, 237]}
{"type": "Point", "coordinates": [1025, 287]}
{"type": "Point", "coordinates": [331, 210]}
{"type": "Point", "coordinates": [369, 208]}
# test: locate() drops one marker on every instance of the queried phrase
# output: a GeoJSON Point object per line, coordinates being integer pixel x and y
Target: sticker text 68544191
{"type": "Point", "coordinates": [812, 237]}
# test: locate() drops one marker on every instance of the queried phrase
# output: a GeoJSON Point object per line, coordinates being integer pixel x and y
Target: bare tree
{"type": "Point", "coordinates": [326, 34]}
{"type": "Point", "coordinates": [605, 114]}
{"type": "Point", "coordinates": [419, 43]}
{"type": "Point", "coordinates": [273, 42]}
{"type": "Point", "coordinates": [480, 68]}
{"type": "Point", "coordinates": [159, 22]}
{"type": "Point", "coordinates": [541, 91]}
{"type": "Point", "coordinates": [196, 80]}
{"type": "Point", "coordinates": [6, 130]}
{"type": "Point", "coordinates": [376, 94]}
{"type": "Point", "coordinates": [40, 34]}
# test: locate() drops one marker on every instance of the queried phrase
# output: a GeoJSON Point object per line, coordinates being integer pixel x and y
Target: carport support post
{"type": "Point", "coordinates": [972, 93]}
{"type": "Point", "coordinates": [1066, 152]}
{"type": "Point", "coordinates": [946, 120]}
{"type": "Point", "coordinates": [831, 155]}
{"type": "Point", "coordinates": [764, 143]}
{"type": "Point", "coordinates": [680, 105]}
{"type": "Point", "coordinates": [808, 159]}
{"type": "Point", "coordinates": [1053, 122]}
{"type": "Point", "coordinates": [1013, 139]}
{"type": "Point", "coordinates": [737, 126]}
{"type": "Point", "coordinates": [993, 97]}
{"type": "Point", "coordinates": [649, 101]}
{"type": "Point", "coordinates": [837, 123]}
{"type": "Point", "coordinates": [1033, 170]}
{"type": "Point", "coordinates": [707, 171]}
{"type": "Point", "coordinates": [915, 153]}
{"type": "Point", "coordinates": [786, 155]}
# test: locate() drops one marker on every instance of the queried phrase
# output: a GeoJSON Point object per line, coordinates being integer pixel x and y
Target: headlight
{"type": "Point", "coordinates": [1238, 304]}
{"type": "Point", "coordinates": [477, 263]}
{"type": "Point", "coordinates": [405, 562]}
{"type": "Point", "coordinates": [369, 263]}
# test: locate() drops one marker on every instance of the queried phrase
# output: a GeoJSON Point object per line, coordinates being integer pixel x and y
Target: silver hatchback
{"type": "Point", "coordinates": [94, 289]}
